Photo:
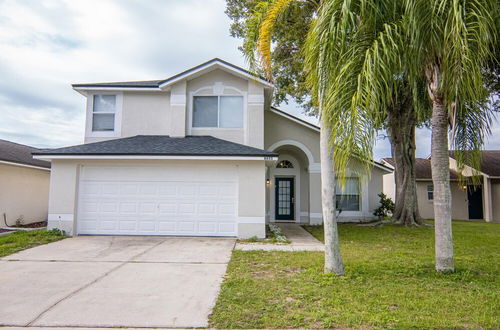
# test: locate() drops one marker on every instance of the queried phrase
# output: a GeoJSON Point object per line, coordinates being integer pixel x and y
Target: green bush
{"type": "Point", "coordinates": [386, 207]}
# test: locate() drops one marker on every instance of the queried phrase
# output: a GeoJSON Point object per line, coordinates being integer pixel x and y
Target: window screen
{"type": "Point", "coordinates": [103, 113]}
{"type": "Point", "coordinates": [347, 199]}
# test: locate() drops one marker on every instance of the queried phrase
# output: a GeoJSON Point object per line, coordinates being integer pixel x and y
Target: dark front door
{"type": "Point", "coordinates": [284, 199]}
{"type": "Point", "coordinates": [475, 198]}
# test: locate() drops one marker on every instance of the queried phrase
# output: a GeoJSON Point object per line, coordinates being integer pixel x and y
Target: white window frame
{"type": "Point", "coordinates": [116, 132]}
{"type": "Point", "coordinates": [210, 91]}
{"type": "Point", "coordinates": [218, 112]}
{"type": "Point", "coordinates": [364, 197]}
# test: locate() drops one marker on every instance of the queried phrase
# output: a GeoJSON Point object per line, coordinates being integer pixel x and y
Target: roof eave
{"type": "Point", "coordinates": [214, 62]}
{"type": "Point", "coordinates": [266, 157]}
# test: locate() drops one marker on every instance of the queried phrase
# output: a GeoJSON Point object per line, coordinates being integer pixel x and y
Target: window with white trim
{"type": "Point", "coordinates": [222, 111]}
{"type": "Point", "coordinates": [347, 197]}
{"type": "Point", "coordinates": [430, 192]}
{"type": "Point", "coordinates": [103, 113]}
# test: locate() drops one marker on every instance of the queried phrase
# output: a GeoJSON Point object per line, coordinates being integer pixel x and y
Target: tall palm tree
{"type": "Point", "coordinates": [358, 50]}
{"type": "Point", "coordinates": [262, 43]}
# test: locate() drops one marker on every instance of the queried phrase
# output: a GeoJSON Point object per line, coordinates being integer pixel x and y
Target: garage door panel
{"type": "Point", "coordinates": [108, 207]}
{"type": "Point", "coordinates": [117, 202]}
{"type": "Point", "coordinates": [129, 189]}
{"type": "Point", "coordinates": [227, 228]}
{"type": "Point", "coordinates": [167, 189]}
{"type": "Point", "coordinates": [128, 208]}
{"type": "Point", "coordinates": [125, 225]}
{"type": "Point", "coordinates": [207, 227]}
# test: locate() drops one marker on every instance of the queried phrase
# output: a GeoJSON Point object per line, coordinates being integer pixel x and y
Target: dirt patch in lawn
{"type": "Point", "coordinates": [41, 224]}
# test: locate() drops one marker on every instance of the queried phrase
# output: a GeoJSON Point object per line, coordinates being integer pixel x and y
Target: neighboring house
{"type": "Point", "coordinates": [200, 153]}
{"type": "Point", "coordinates": [469, 202]}
{"type": "Point", "coordinates": [24, 183]}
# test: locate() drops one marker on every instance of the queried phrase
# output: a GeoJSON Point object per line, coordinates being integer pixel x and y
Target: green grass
{"type": "Point", "coordinates": [390, 282]}
{"type": "Point", "coordinates": [21, 240]}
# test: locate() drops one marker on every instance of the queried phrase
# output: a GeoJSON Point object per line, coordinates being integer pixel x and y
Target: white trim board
{"type": "Point", "coordinates": [294, 143]}
{"type": "Point", "coordinates": [50, 157]}
{"type": "Point", "coordinates": [25, 165]}
{"type": "Point", "coordinates": [214, 63]}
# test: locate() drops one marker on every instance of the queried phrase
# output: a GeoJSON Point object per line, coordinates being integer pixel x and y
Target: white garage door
{"type": "Point", "coordinates": [180, 199]}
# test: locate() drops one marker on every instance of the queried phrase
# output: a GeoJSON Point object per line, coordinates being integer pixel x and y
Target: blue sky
{"type": "Point", "coordinates": [46, 45]}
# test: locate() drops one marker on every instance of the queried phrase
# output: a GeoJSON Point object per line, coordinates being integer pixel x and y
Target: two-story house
{"type": "Point", "coordinates": [202, 153]}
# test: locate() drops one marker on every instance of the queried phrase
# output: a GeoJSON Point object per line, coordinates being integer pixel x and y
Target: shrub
{"type": "Point", "coordinates": [386, 207]}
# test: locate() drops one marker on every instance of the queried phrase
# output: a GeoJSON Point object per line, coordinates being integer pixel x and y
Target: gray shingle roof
{"type": "Point", "coordinates": [162, 145]}
{"type": "Point", "coordinates": [490, 161]}
{"type": "Point", "coordinates": [423, 169]}
{"type": "Point", "coordinates": [157, 83]}
{"type": "Point", "coordinates": [20, 153]}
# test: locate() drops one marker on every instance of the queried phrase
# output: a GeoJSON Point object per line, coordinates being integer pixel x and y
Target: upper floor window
{"type": "Point", "coordinates": [103, 113]}
{"type": "Point", "coordinates": [284, 164]}
{"type": "Point", "coordinates": [430, 192]}
{"type": "Point", "coordinates": [218, 111]}
{"type": "Point", "coordinates": [347, 199]}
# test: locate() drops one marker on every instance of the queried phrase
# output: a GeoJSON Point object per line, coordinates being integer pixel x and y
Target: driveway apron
{"type": "Point", "coordinates": [106, 281]}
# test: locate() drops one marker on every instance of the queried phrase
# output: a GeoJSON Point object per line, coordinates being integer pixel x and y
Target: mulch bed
{"type": "Point", "coordinates": [40, 224]}
{"type": "Point", "coordinates": [4, 230]}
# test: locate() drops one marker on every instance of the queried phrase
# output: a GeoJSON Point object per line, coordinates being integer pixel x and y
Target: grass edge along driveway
{"type": "Point", "coordinates": [22, 240]}
{"type": "Point", "coordinates": [390, 282]}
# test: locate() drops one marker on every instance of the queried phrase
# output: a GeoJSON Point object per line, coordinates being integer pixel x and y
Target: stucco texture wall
{"type": "Point", "coordinates": [459, 208]}
{"type": "Point", "coordinates": [24, 194]}
{"type": "Point", "coordinates": [251, 191]}
{"type": "Point", "coordinates": [495, 199]}
{"type": "Point", "coordinates": [277, 128]}
{"type": "Point", "coordinates": [219, 82]}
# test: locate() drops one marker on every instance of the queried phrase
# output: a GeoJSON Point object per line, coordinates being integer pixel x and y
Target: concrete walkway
{"type": "Point", "coordinates": [106, 281]}
{"type": "Point", "coordinates": [300, 240]}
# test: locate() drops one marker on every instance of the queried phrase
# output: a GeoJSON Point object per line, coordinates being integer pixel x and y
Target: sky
{"type": "Point", "coordinates": [46, 45]}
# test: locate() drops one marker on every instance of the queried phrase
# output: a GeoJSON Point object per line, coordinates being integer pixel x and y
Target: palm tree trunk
{"type": "Point", "coordinates": [333, 259]}
{"type": "Point", "coordinates": [440, 165]}
{"type": "Point", "coordinates": [401, 122]}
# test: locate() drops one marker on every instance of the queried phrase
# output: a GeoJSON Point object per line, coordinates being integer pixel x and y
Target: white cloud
{"type": "Point", "coordinates": [46, 45]}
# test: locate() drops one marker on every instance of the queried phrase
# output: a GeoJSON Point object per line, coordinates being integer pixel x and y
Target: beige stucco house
{"type": "Point", "coordinates": [24, 183]}
{"type": "Point", "coordinates": [469, 202]}
{"type": "Point", "coordinates": [201, 153]}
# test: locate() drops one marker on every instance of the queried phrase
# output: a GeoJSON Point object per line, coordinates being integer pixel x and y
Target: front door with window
{"type": "Point", "coordinates": [284, 199]}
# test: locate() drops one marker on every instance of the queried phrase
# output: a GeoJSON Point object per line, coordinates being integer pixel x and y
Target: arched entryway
{"type": "Point", "coordinates": [288, 183]}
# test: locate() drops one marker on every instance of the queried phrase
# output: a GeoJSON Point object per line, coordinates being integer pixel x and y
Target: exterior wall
{"type": "Point", "coordinates": [315, 207]}
{"type": "Point", "coordinates": [278, 128]}
{"type": "Point", "coordinates": [389, 185]}
{"type": "Point", "coordinates": [24, 194]}
{"type": "Point", "coordinates": [219, 82]}
{"type": "Point", "coordinates": [251, 198]}
{"type": "Point", "coordinates": [141, 113]}
{"type": "Point", "coordinates": [495, 199]}
{"type": "Point", "coordinates": [370, 187]}
{"type": "Point", "coordinates": [459, 210]}
{"type": "Point", "coordinates": [375, 187]}
{"type": "Point", "coordinates": [170, 112]}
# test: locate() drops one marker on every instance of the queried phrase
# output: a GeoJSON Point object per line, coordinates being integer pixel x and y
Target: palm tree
{"type": "Point", "coordinates": [265, 24]}
{"type": "Point", "coordinates": [357, 51]}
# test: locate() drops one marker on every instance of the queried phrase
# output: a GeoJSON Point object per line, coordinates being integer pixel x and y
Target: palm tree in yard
{"type": "Point", "coordinates": [264, 24]}
{"type": "Point", "coordinates": [358, 52]}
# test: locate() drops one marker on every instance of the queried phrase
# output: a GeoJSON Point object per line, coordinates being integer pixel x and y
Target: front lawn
{"type": "Point", "coordinates": [390, 282]}
{"type": "Point", "coordinates": [21, 240]}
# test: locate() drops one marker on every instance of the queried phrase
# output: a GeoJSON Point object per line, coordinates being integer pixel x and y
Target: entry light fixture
{"type": "Point", "coordinates": [268, 182]}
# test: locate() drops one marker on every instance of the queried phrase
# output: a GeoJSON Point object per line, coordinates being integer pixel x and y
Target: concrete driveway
{"type": "Point", "coordinates": [106, 281]}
